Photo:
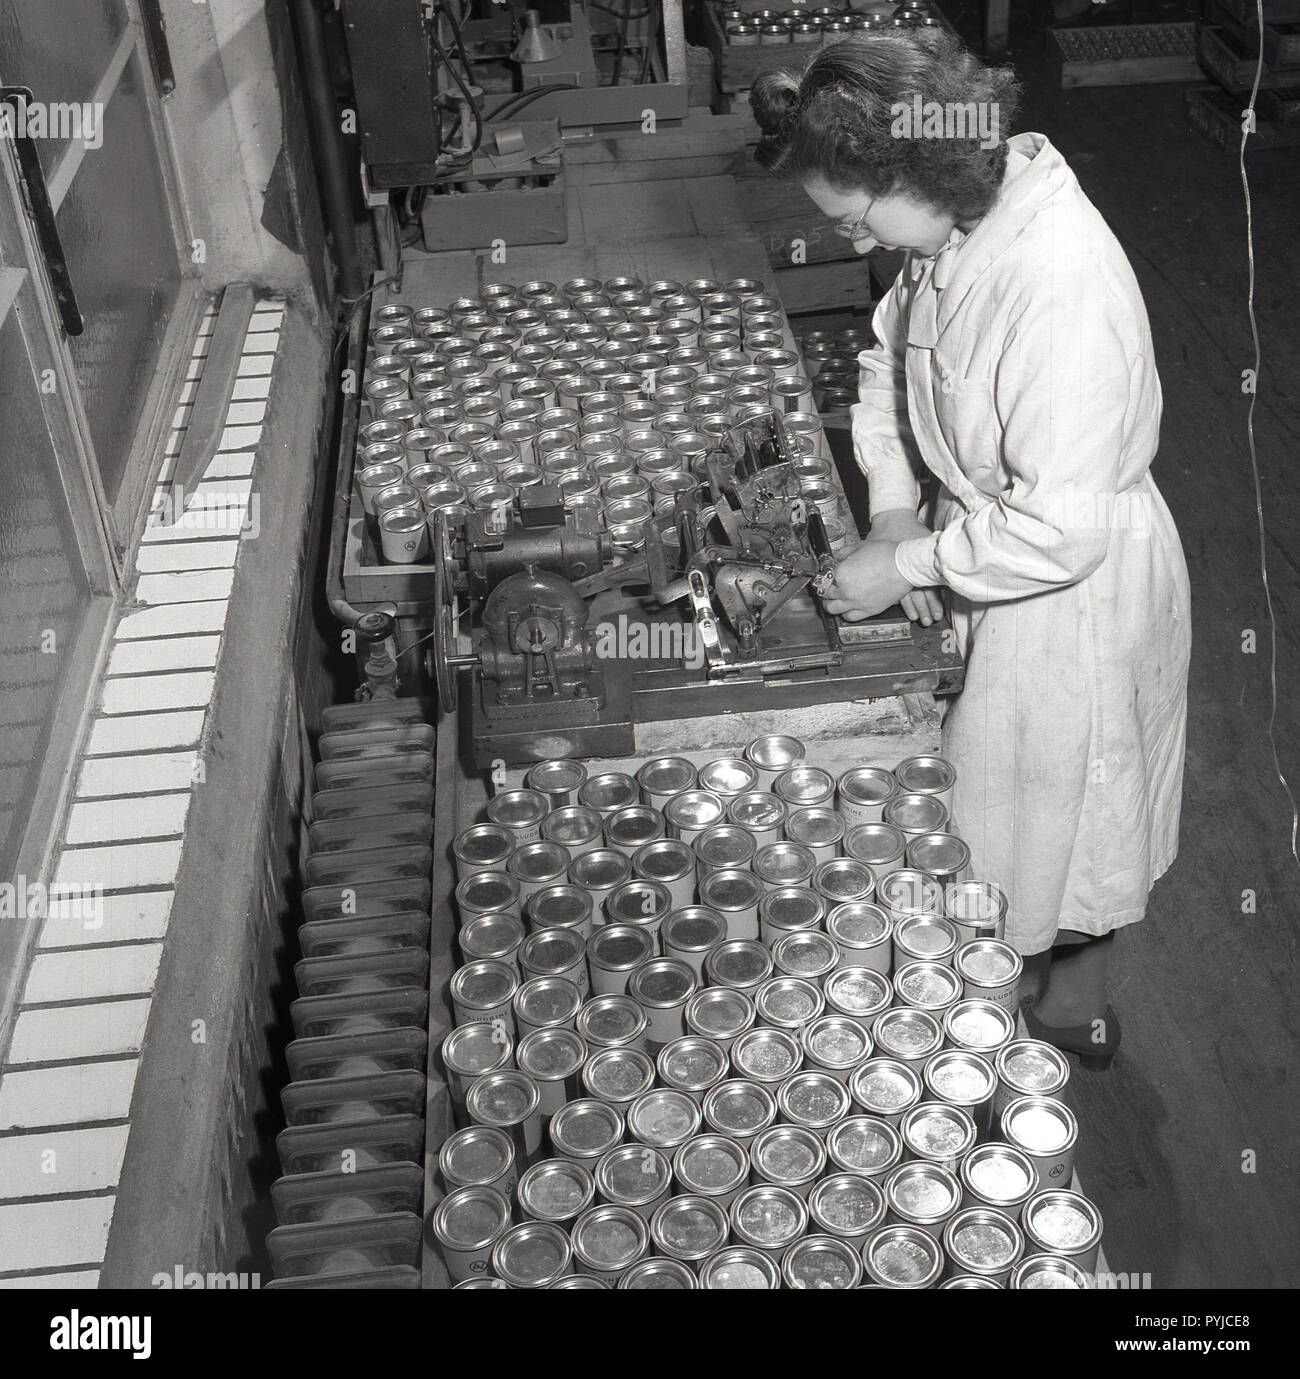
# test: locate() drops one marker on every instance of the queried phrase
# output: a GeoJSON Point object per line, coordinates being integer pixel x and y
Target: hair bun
{"type": "Point", "coordinates": [773, 98]}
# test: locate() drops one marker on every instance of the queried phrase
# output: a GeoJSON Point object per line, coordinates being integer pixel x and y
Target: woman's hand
{"type": "Point", "coordinates": [902, 524]}
{"type": "Point", "coordinates": [866, 582]}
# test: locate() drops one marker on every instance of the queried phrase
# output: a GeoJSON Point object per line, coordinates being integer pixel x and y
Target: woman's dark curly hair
{"type": "Point", "coordinates": [837, 121]}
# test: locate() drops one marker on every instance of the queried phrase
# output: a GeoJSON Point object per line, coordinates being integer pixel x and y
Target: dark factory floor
{"type": "Point", "coordinates": [1189, 1141]}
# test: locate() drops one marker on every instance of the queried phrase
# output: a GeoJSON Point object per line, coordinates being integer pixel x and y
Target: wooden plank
{"type": "Point", "coordinates": [207, 418]}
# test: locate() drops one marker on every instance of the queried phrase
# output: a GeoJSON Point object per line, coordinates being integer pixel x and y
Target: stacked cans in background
{"type": "Point", "coordinates": [746, 1025]}
{"type": "Point", "coordinates": [349, 1200]}
{"type": "Point", "coordinates": [756, 25]}
{"type": "Point", "coordinates": [611, 391]}
{"type": "Point", "coordinates": [830, 359]}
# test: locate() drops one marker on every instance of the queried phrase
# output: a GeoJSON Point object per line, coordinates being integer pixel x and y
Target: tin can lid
{"type": "Point", "coordinates": [484, 983]}
{"type": "Point", "coordinates": [552, 952]}
{"type": "Point", "coordinates": [902, 1257]}
{"type": "Point", "coordinates": [694, 928]}
{"type": "Point", "coordinates": [502, 1098]}
{"type": "Point", "coordinates": [491, 936]}
{"type": "Point", "coordinates": [570, 825]}
{"type": "Point", "coordinates": [1061, 1222]}
{"type": "Point", "coordinates": [728, 776]}
{"type": "Point", "coordinates": [821, 1261]}
{"type": "Point", "coordinates": [988, 962]}
{"type": "Point", "coordinates": [547, 1000]}
{"type": "Point", "coordinates": [587, 1126]}
{"type": "Point", "coordinates": [970, 902]}
{"type": "Point", "coordinates": [858, 991]}
{"type": "Point", "coordinates": [788, 1001]}
{"type": "Point", "coordinates": [885, 1085]}
{"type": "Point", "coordinates": [963, 1079]}
{"type": "Point", "coordinates": [858, 924]}
{"type": "Point", "coordinates": [475, 1156]}
{"type": "Point", "coordinates": [922, 1191]}
{"type": "Point", "coordinates": [1039, 1125]}
{"type": "Point", "coordinates": [609, 792]}
{"type": "Point", "coordinates": [739, 1107]}
{"type": "Point", "coordinates": [739, 1266]}
{"type": "Point", "coordinates": [719, 1011]}
{"type": "Point", "coordinates": [663, 1118]}
{"type": "Point", "coordinates": [791, 907]}
{"type": "Point", "coordinates": [769, 1216]}
{"type": "Point", "coordinates": [844, 879]}
{"type": "Point", "coordinates": [689, 1227]}
{"type": "Point", "coordinates": [907, 1032]}
{"type": "Point", "coordinates": [659, 1273]}
{"type": "Point", "coordinates": [711, 1165]}
{"type": "Point", "coordinates": [928, 985]}
{"type": "Point", "coordinates": [730, 889]}
{"type": "Point", "coordinates": [471, 1218]}
{"type": "Point", "coordinates": [788, 1154]}
{"type": "Point", "coordinates": [738, 962]}
{"type": "Point", "coordinates": [725, 846]}
{"type": "Point", "coordinates": [665, 861]}
{"type": "Point", "coordinates": [804, 784]}
{"type": "Point", "coordinates": [620, 947]}
{"type": "Point", "coordinates": [1030, 1065]}
{"type": "Point", "coordinates": [551, 1054]}
{"type": "Point", "coordinates": [925, 775]}
{"type": "Point", "coordinates": [910, 892]}
{"type": "Point", "coordinates": [805, 953]}
{"type": "Point", "coordinates": [600, 869]}
{"type": "Point", "coordinates": [632, 1174]}
{"type": "Point", "coordinates": [863, 1144]}
{"type": "Point", "coordinates": [666, 775]}
{"type": "Point", "coordinates": [768, 1055]}
{"type": "Point", "coordinates": [916, 813]}
{"type": "Point", "coordinates": [662, 983]}
{"type": "Point", "coordinates": [483, 844]}
{"type": "Point", "coordinates": [876, 844]}
{"type": "Point", "coordinates": [934, 1130]}
{"type": "Point", "coordinates": [637, 902]}
{"type": "Point", "coordinates": [983, 1238]}
{"type": "Point", "coordinates": [784, 864]}
{"type": "Point", "coordinates": [941, 854]}
{"type": "Point", "coordinates": [559, 907]}
{"type": "Point", "coordinates": [538, 861]}
{"type": "Point", "coordinates": [533, 1254]}
{"type": "Point", "coordinates": [611, 1020]}
{"type": "Point", "coordinates": [695, 809]}
{"type": "Point", "coordinates": [619, 1074]}
{"type": "Point", "coordinates": [488, 890]}
{"type": "Point", "coordinates": [836, 1041]}
{"type": "Point", "coordinates": [929, 937]}
{"type": "Point", "coordinates": [813, 1098]}
{"type": "Point", "coordinates": [479, 1046]}
{"type": "Point", "coordinates": [609, 1237]}
{"type": "Point", "coordinates": [692, 1062]}
{"type": "Point", "coordinates": [978, 1024]}
{"type": "Point", "coordinates": [1049, 1271]}
{"type": "Point", "coordinates": [999, 1173]}
{"type": "Point", "coordinates": [756, 810]}
{"type": "Point", "coordinates": [814, 826]}
{"type": "Point", "coordinates": [846, 1204]}
{"type": "Point", "coordinates": [556, 1189]}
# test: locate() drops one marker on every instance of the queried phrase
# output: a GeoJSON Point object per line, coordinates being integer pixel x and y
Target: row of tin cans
{"type": "Point", "coordinates": [611, 392]}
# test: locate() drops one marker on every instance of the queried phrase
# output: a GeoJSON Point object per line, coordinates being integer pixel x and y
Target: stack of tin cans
{"type": "Point", "coordinates": [750, 25]}
{"type": "Point", "coordinates": [830, 359]}
{"type": "Point", "coordinates": [613, 391]}
{"type": "Point", "coordinates": [744, 1024]}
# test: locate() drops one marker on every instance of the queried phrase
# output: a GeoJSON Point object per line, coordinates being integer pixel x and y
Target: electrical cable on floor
{"type": "Point", "coordinates": [1247, 125]}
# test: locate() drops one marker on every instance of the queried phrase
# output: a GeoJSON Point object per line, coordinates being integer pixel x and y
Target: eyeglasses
{"type": "Point", "coordinates": [853, 229]}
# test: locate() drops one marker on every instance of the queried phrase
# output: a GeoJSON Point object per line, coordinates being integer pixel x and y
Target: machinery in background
{"type": "Point", "coordinates": [463, 108]}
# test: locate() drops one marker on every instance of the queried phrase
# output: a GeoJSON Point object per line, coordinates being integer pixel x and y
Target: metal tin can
{"type": "Point", "coordinates": [521, 811]}
{"type": "Point", "coordinates": [821, 1261]}
{"type": "Point", "coordinates": [472, 1049]}
{"type": "Point", "coordinates": [403, 536]}
{"type": "Point", "coordinates": [810, 955]}
{"type": "Point", "coordinates": [728, 777]}
{"type": "Point", "coordinates": [492, 936]}
{"type": "Point", "coordinates": [712, 1166]}
{"type": "Point", "coordinates": [1064, 1224]}
{"type": "Point", "coordinates": [938, 1133]}
{"type": "Point", "coordinates": [546, 1003]}
{"type": "Point", "coordinates": [1048, 1271]}
{"type": "Point", "coordinates": [843, 881]}
{"type": "Point", "coordinates": [556, 953]}
{"type": "Point", "coordinates": [788, 1156]}
{"type": "Point", "coordinates": [618, 1076]}
{"type": "Point", "coordinates": [724, 847]}
{"type": "Point", "coordinates": [481, 847]}
{"type": "Point", "coordinates": [671, 863]}
{"type": "Point", "coordinates": [533, 1255]}
{"type": "Point", "coordinates": [483, 991]}
{"type": "Point", "coordinates": [983, 1242]}
{"type": "Point", "coordinates": [978, 1026]}
{"type": "Point", "coordinates": [739, 1266]}
{"type": "Point", "coordinates": [612, 1022]}
{"type": "Point", "coordinates": [553, 1058]}
{"type": "Point", "coordinates": [978, 909]}
{"type": "Point", "coordinates": [614, 952]}
{"type": "Point", "coordinates": [663, 986]}
{"type": "Point", "coordinates": [803, 787]}
{"type": "Point", "coordinates": [772, 755]}
{"type": "Point", "coordinates": [923, 938]}
{"type": "Point", "coordinates": [990, 971]}
{"type": "Point", "coordinates": [923, 1195]}
{"type": "Point", "coordinates": [881, 846]}
{"type": "Point", "coordinates": [743, 964]}
{"type": "Point", "coordinates": [886, 1088]}
{"type": "Point", "coordinates": [783, 865]}
{"type": "Point", "coordinates": [609, 792]}
{"type": "Point", "coordinates": [467, 1224]}
{"type": "Point", "coordinates": [818, 829]}
{"type": "Point", "coordinates": [663, 777]}
{"type": "Point", "coordinates": [689, 1228]}
{"type": "Point", "coordinates": [375, 479]}
{"type": "Point", "coordinates": [641, 903]}
{"type": "Point", "coordinates": [739, 1109]}
{"type": "Point", "coordinates": [1045, 1131]}
{"type": "Point", "coordinates": [1028, 1067]}
{"type": "Point", "coordinates": [608, 1240]}
{"type": "Point", "coordinates": [863, 1146]}
{"type": "Point", "coordinates": [599, 871]}
{"type": "Point", "coordinates": [813, 1099]}
{"type": "Point", "coordinates": [769, 1219]}
{"type": "Point", "coordinates": [903, 1256]}
{"type": "Point", "coordinates": [692, 812]}
{"type": "Point", "coordinates": [846, 1207]}
{"type": "Point", "coordinates": [862, 934]}
{"type": "Point", "coordinates": [916, 814]}
{"type": "Point", "coordinates": [635, 1176]}
{"type": "Point", "coordinates": [657, 1273]}
{"type": "Point", "coordinates": [734, 894]}
{"type": "Point", "coordinates": [931, 986]}
{"type": "Point", "coordinates": [766, 1056]}
{"type": "Point", "coordinates": [906, 892]}
{"type": "Point", "coordinates": [509, 1101]}
{"type": "Point", "coordinates": [479, 1156]}
{"type": "Point", "coordinates": [585, 1130]}
{"type": "Point", "coordinates": [835, 1045]}
{"type": "Point", "coordinates": [561, 907]}
{"type": "Point", "coordinates": [943, 856]}
{"type": "Point", "coordinates": [574, 828]}
{"type": "Point", "coordinates": [559, 781]}
{"type": "Point", "coordinates": [907, 1034]}
{"type": "Point", "coordinates": [692, 1065]}
{"type": "Point", "coordinates": [760, 814]}
{"type": "Point", "coordinates": [535, 866]}
{"type": "Point", "coordinates": [663, 1119]}
{"type": "Point", "coordinates": [997, 1175]}
{"type": "Point", "coordinates": [556, 1190]}
{"type": "Point", "coordinates": [861, 993]}
{"type": "Point", "coordinates": [720, 1014]}
{"type": "Point", "coordinates": [690, 933]}
{"type": "Point", "coordinates": [927, 775]}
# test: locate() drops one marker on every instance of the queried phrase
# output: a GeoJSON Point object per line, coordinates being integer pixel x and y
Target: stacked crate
{"type": "Point", "coordinates": [1228, 46]}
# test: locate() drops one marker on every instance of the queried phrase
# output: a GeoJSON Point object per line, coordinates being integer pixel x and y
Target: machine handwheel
{"type": "Point", "coordinates": [444, 623]}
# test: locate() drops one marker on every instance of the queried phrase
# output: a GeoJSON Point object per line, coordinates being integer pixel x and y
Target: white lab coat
{"type": "Point", "coordinates": [1017, 365]}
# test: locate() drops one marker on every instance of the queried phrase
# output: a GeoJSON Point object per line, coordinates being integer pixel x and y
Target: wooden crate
{"type": "Point", "coordinates": [1231, 62]}
{"type": "Point", "coordinates": [738, 66]}
{"type": "Point", "coordinates": [1124, 55]}
{"type": "Point", "coordinates": [1217, 114]}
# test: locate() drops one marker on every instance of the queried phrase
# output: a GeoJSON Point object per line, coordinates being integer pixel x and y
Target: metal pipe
{"type": "Point", "coordinates": [338, 605]}
{"type": "Point", "coordinates": [326, 137]}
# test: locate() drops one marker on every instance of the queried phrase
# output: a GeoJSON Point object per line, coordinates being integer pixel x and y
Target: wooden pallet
{"type": "Point", "coordinates": [1124, 55]}
{"type": "Point", "coordinates": [1217, 114]}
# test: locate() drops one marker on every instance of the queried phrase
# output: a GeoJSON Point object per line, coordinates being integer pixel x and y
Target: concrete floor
{"type": "Point", "coordinates": [1189, 1141]}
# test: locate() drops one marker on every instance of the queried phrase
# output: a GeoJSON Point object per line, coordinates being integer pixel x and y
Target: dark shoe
{"type": "Point", "coordinates": [1094, 1056]}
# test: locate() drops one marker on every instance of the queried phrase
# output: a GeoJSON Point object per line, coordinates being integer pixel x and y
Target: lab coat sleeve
{"type": "Point", "coordinates": [1061, 389]}
{"type": "Point", "coordinates": [882, 436]}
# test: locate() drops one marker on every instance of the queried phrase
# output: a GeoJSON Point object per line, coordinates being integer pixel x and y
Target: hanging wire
{"type": "Point", "coordinates": [1247, 124]}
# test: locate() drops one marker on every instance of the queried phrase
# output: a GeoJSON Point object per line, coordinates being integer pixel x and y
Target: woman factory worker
{"type": "Point", "coordinates": [1015, 364]}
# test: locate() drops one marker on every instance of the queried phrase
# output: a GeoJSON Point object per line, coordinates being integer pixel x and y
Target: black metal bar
{"type": "Point", "coordinates": [160, 54]}
{"type": "Point", "coordinates": [37, 194]}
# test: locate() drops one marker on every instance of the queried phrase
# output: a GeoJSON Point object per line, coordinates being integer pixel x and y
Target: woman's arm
{"type": "Point", "coordinates": [1064, 383]}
